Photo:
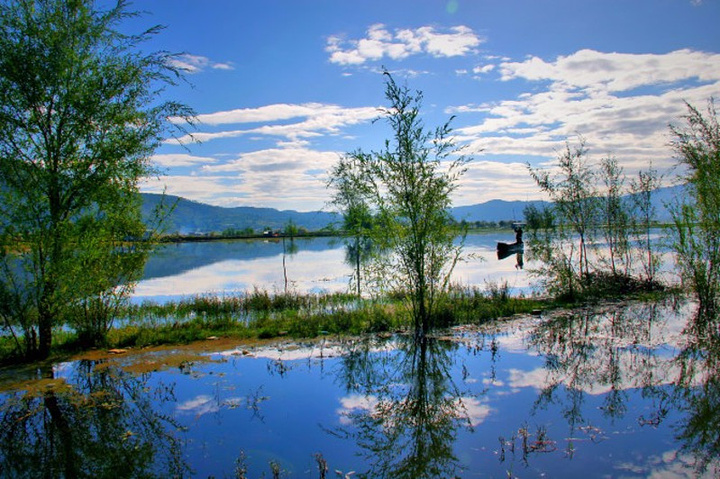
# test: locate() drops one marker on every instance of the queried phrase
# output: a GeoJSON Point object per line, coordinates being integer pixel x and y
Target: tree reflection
{"type": "Point", "coordinates": [100, 422]}
{"type": "Point", "coordinates": [359, 250]}
{"type": "Point", "coordinates": [698, 393]}
{"type": "Point", "coordinates": [620, 350]}
{"type": "Point", "coordinates": [404, 411]}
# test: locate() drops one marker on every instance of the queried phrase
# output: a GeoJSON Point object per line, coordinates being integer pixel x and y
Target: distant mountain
{"type": "Point", "coordinates": [501, 210]}
{"type": "Point", "coordinates": [494, 210]}
{"type": "Point", "coordinates": [192, 217]}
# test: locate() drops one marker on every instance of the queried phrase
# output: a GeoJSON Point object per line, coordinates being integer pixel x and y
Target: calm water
{"type": "Point", "coordinates": [623, 391]}
{"type": "Point", "coordinates": [312, 265]}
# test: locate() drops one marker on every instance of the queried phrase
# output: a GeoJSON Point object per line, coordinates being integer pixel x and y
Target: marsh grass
{"type": "Point", "coordinates": [262, 315]}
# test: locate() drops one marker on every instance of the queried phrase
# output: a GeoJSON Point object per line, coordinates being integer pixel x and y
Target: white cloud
{"type": "Point", "coordinates": [197, 63]}
{"type": "Point", "coordinates": [479, 70]}
{"type": "Point", "coordinates": [621, 103]}
{"type": "Point", "coordinates": [288, 160]}
{"type": "Point", "coordinates": [616, 72]}
{"type": "Point", "coordinates": [181, 159]}
{"type": "Point", "coordinates": [380, 42]}
{"type": "Point", "coordinates": [282, 178]}
{"type": "Point", "coordinates": [315, 119]}
{"type": "Point", "coordinates": [199, 405]}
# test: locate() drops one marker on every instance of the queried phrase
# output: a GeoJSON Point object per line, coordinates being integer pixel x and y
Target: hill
{"type": "Point", "coordinates": [191, 217]}
{"type": "Point", "coordinates": [494, 210]}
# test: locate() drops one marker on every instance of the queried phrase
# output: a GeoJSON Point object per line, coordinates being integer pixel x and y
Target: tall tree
{"type": "Point", "coordinates": [80, 115]}
{"type": "Point", "coordinates": [409, 184]}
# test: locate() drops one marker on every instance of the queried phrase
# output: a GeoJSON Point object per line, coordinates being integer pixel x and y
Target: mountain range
{"type": "Point", "coordinates": [191, 217]}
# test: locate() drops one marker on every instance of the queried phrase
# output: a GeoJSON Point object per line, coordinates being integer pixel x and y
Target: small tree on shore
{"type": "Point", "coordinates": [358, 221]}
{"type": "Point", "coordinates": [642, 189]}
{"type": "Point", "coordinates": [408, 185]}
{"type": "Point", "coordinates": [615, 215]}
{"type": "Point", "coordinates": [571, 189]}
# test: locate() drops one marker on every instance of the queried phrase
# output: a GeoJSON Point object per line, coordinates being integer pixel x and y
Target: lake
{"type": "Point", "coordinates": [315, 265]}
{"type": "Point", "coordinates": [623, 390]}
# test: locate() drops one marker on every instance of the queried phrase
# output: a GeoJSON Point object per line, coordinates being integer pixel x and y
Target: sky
{"type": "Point", "coordinates": [283, 88]}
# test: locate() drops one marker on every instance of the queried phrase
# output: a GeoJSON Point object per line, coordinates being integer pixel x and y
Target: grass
{"type": "Point", "coordinates": [261, 315]}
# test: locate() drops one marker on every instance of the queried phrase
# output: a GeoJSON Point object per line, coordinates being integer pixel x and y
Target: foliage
{"type": "Point", "coordinates": [572, 192]}
{"type": "Point", "coordinates": [697, 217]}
{"type": "Point", "coordinates": [615, 216]}
{"type": "Point", "coordinates": [80, 116]}
{"type": "Point", "coordinates": [408, 185]}
{"type": "Point", "coordinates": [591, 202]}
{"type": "Point", "coordinates": [358, 220]}
{"type": "Point", "coordinates": [644, 213]}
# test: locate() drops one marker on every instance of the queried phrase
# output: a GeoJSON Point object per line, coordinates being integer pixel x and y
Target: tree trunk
{"type": "Point", "coordinates": [45, 333]}
{"type": "Point", "coordinates": [357, 263]}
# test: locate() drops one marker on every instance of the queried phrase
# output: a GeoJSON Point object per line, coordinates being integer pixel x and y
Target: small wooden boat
{"type": "Point", "coordinates": [506, 249]}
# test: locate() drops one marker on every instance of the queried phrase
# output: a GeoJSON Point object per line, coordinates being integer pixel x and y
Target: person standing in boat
{"type": "Point", "coordinates": [518, 234]}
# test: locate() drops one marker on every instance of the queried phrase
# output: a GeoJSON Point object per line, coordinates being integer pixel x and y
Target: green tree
{"type": "Point", "coordinates": [358, 220]}
{"type": "Point", "coordinates": [642, 189]}
{"type": "Point", "coordinates": [615, 215]}
{"type": "Point", "coordinates": [409, 185]}
{"type": "Point", "coordinates": [571, 189]}
{"type": "Point", "coordinates": [696, 218]}
{"type": "Point", "coordinates": [80, 115]}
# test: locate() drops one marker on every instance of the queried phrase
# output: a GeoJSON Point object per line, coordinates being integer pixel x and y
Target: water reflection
{"type": "Point", "coordinates": [698, 393]}
{"type": "Point", "coordinates": [618, 354]}
{"type": "Point", "coordinates": [624, 390]}
{"type": "Point", "coordinates": [97, 422]}
{"type": "Point", "coordinates": [316, 265]}
{"type": "Point", "coordinates": [404, 409]}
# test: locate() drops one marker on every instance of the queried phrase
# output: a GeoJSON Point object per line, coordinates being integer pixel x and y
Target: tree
{"type": "Point", "coordinates": [615, 215]}
{"type": "Point", "coordinates": [572, 192]}
{"type": "Point", "coordinates": [80, 115]}
{"type": "Point", "coordinates": [696, 219]}
{"type": "Point", "coordinates": [642, 190]}
{"type": "Point", "coordinates": [358, 220]}
{"type": "Point", "coordinates": [408, 185]}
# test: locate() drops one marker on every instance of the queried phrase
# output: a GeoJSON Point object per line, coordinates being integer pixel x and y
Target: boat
{"type": "Point", "coordinates": [506, 249]}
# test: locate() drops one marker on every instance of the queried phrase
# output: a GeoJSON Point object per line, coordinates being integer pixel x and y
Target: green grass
{"type": "Point", "coordinates": [261, 315]}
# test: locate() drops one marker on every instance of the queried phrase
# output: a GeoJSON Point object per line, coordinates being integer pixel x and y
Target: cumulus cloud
{"type": "Point", "coordinates": [291, 174]}
{"type": "Point", "coordinates": [291, 160]}
{"type": "Point", "coordinates": [621, 103]}
{"type": "Point", "coordinates": [283, 178]}
{"type": "Point", "coordinates": [197, 63]}
{"type": "Point", "coordinates": [380, 43]}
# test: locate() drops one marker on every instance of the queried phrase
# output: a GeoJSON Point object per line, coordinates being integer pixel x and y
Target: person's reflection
{"type": "Point", "coordinates": [412, 409]}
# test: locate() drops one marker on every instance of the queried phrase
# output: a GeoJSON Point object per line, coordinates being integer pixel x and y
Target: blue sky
{"type": "Point", "coordinates": [283, 88]}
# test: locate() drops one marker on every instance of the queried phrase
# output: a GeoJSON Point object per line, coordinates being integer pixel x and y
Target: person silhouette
{"type": "Point", "coordinates": [518, 234]}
